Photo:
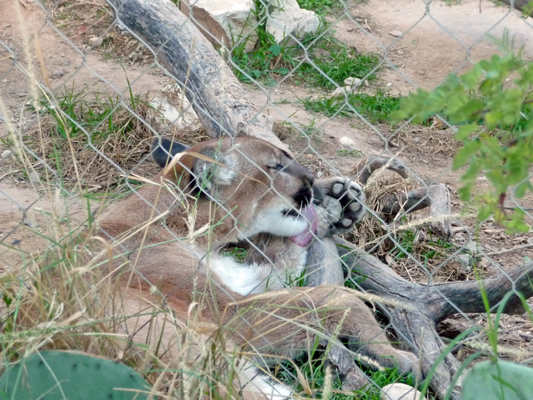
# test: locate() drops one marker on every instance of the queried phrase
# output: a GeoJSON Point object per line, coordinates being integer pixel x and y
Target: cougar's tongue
{"type": "Point", "coordinates": [303, 239]}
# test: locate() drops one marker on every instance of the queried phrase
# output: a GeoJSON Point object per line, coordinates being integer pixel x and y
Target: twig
{"type": "Point", "coordinates": [10, 173]}
{"type": "Point", "coordinates": [497, 253]}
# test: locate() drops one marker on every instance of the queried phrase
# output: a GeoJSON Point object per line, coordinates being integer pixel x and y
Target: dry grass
{"type": "Point", "coordinates": [83, 22]}
{"type": "Point", "coordinates": [96, 142]}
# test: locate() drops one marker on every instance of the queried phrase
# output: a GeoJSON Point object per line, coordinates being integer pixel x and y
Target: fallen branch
{"type": "Point", "coordinates": [211, 87]}
{"type": "Point", "coordinates": [433, 304]}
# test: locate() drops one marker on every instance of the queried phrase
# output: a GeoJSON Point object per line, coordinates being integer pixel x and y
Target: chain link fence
{"type": "Point", "coordinates": [84, 95]}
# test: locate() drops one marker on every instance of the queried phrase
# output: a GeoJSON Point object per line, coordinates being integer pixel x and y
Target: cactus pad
{"type": "Point", "coordinates": [66, 375]}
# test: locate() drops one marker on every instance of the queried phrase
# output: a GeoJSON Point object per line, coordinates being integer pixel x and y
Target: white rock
{"type": "Point", "coordinates": [341, 91]}
{"type": "Point", "coordinates": [6, 154]}
{"type": "Point", "coordinates": [352, 81]}
{"type": "Point", "coordinates": [228, 22]}
{"type": "Point", "coordinates": [175, 107]}
{"type": "Point", "coordinates": [397, 391]}
{"type": "Point", "coordinates": [287, 18]}
{"type": "Point", "coordinates": [96, 41]}
{"type": "Point", "coordinates": [396, 33]}
{"type": "Point", "coordinates": [346, 141]}
{"type": "Point", "coordinates": [35, 177]}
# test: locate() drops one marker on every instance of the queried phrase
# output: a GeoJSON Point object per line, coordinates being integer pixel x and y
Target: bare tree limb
{"type": "Point", "coordinates": [433, 303]}
{"type": "Point", "coordinates": [369, 165]}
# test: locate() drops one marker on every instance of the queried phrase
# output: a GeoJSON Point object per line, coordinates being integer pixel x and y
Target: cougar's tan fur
{"type": "Point", "coordinates": [169, 241]}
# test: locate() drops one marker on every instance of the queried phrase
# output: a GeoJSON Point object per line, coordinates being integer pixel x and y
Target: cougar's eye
{"type": "Point", "coordinates": [276, 167]}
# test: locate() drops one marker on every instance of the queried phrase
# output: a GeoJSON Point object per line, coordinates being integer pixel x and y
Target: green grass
{"type": "Point", "coordinates": [81, 128]}
{"type": "Point", "coordinates": [94, 112]}
{"type": "Point", "coordinates": [333, 63]}
{"type": "Point", "coordinates": [375, 108]}
{"type": "Point", "coordinates": [315, 372]}
{"type": "Point", "coordinates": [321, 7]}
{"type": "Point", "coordinates": [326, 63]}
{"type": "Point", "coordinates": [426, 251]}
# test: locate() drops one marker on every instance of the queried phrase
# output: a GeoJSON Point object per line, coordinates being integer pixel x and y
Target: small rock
{"type": "Point", "coordinates": [416, 139]}
{"type": "Point", "coordinates": [5, 26]}
{"type": "Point", "coordinates": [451, 328]}
{"type": "Point", "coordinates": [35, 177]}
{"type": "Point", "coordinates": [6, 154]}
{"type": "Point", "coordinates": [231, 22]}
{"type": "Point", "coordinates": [466, 260]}
{"type": "Point", "coordinates": [352, 81]}
{"type": "Point", "coordinates": [96, 41]}
{"type": "Point", "coordinates": [65, 63]}
{"type": "Point", "coordinates": [389, 84]}
{"type": "Point", "coordinates": [460, 237]}
{"type": "Point", "coordinates": [396, 33]}
{"type": "Point", "coordinates": [286, 19]}
{"type": "Point", "coordinates": [346, 141]}
{"type": "Point", "coordinates": [397, 391]}
{"type": "Point", "coordinates": [319, 174]}
{"type": "Point", "coordinates": [340, 92]}
{"type": "Point", "coordinates": [58, 73]}
{"type": "Point", "coordinates": [22, 94]}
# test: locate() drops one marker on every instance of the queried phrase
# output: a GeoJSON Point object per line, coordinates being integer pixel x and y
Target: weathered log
{"type": "Point", "coordinates": [431, 304]}
{"type": "Point", "coordinates": [213, 90]}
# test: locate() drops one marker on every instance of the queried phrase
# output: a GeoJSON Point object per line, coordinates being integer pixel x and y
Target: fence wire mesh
{"type": "Point", "coordinates": [84, 95]}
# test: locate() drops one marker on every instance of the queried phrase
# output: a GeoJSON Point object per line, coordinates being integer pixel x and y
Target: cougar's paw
{"type": "Point", "coordinates": [349, 195]}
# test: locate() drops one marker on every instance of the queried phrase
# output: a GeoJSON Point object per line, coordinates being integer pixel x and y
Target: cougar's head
{"type": "Point", "coordinates": [250, 183]}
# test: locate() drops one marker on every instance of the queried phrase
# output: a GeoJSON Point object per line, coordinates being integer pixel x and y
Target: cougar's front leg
{"type": "Point", "coordinates": [341, 205]}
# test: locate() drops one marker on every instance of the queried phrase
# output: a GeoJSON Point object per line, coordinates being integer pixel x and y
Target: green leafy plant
{"type": "Point", "coordinates": [492, 107]}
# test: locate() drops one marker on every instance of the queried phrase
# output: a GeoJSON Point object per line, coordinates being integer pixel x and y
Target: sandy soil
{"type": "Point", "coordinates": [420, 46]}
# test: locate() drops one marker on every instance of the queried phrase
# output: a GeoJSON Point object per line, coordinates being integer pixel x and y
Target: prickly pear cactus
{"type": "Point", "coordinates": [53, 375]}
{"type": "Point", "coordinates": [498, 381]}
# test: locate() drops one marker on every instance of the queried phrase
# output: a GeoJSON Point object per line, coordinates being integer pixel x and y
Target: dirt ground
{"type": "Point", "coordinates": [419, 46]}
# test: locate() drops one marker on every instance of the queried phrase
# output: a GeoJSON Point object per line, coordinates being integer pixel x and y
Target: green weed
{"type": "Point", "coordinates": [350, 153]}
{"type": "Point", "coordinates": [326, 62]}
{"type": "Point", "coordinates": [426, 251]}
{"type": "Point", "coordinates": [315, 371]}
{"type": "Point", "coordinates": [321, 7]}
{"type": "Point", "coordinates": [237, 253]}
{"type": "Point", "coordinates": [330, 63]}
{"type": "Point", "coordinates": [375, 108]}
{"type": "Point", "coordinates": [77, 112]}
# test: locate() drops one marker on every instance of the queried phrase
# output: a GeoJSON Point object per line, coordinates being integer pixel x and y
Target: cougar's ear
{"type": "Point", "coordinates": [164, 149]}
{"type": "Point", "coordinates": [214, 169]}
